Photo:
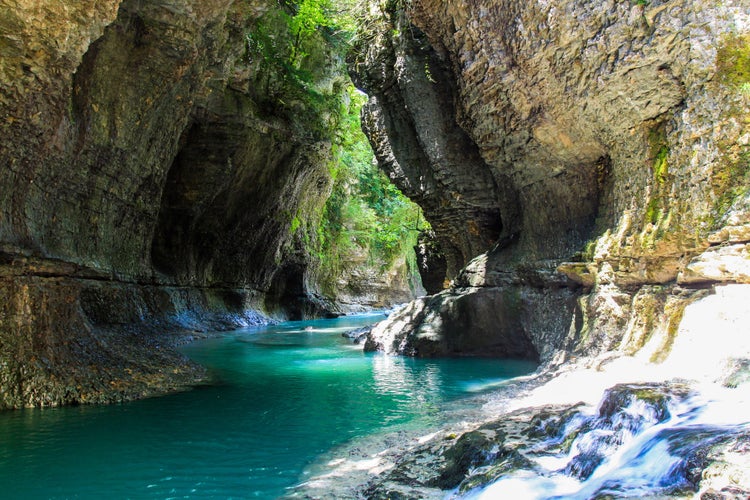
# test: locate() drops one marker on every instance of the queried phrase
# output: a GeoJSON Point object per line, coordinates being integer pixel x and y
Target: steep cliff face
{"type": "Point", "coordinates": [410, 121]}
{"type": "Point", "coordinates": [158, 132]}
{"type": "Point", "coordinates": [163, 167]}
{"type": "Point", "coordinates": [614, 141]}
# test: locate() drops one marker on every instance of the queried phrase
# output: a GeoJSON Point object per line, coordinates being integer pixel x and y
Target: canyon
{"type": "Point", "coordinates": [583, 167]}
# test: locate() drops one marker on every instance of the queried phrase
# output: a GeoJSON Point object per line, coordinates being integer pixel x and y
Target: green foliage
{"type": "Point", "coordinates": [653, 210]}
{"type": "Point", "coordinates": [290, 51]}
{"type": "Point", "coordinates": [311, 15]}
{"type": "Point", "coordinates": [296, 223]}
{"type": "Point", "coordinates": [366, 213]}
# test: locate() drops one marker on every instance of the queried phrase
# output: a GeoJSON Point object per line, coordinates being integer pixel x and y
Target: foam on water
{"type": "Point", "coordinates": [640, 460]}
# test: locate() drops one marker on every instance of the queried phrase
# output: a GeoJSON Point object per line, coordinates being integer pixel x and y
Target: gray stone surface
{"type": "Point", "coordinates": [613, 144]}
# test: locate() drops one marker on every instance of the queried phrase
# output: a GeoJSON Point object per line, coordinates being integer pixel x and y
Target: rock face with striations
{"type": "Point", "coordinates": [602, 148]}
{"type": "Point", "coordinates": [152, 168]}
{"type": "Point", "coordinates": [583, 165]}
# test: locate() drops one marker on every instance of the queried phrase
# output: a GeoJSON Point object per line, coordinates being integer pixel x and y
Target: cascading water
{"type": "Point", "coordinates": [642, 440]}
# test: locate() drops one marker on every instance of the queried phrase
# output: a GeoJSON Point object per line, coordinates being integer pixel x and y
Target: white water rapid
{"type": "Point", "coordinates": [646, 447]}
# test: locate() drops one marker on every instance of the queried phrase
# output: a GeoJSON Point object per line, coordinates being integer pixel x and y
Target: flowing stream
{"type": "Point", "coordinates": [639, 442]}
{"type": "Point", "coordinates": [283, 396]}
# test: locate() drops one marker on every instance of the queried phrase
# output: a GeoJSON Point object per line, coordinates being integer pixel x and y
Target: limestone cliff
{"type": "Point", "coordinates": [583, 165]}
{"type": "Point", "coordinates": [602, 148]}
{"type": "Point", "coordinates": [163, 167]}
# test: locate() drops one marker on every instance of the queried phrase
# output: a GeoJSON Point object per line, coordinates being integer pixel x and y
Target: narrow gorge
{"type": "Point", "coordinates": [577, 178]}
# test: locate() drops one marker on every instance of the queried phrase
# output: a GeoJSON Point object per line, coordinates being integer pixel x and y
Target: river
{"type": "Point", "coordinates": [282, 396]}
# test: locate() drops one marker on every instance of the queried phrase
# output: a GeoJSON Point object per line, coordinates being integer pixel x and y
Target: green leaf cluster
{"type": "Point", "coordinates": [290, 51]}
{"type": "Point", "coordinates": [366, 213]}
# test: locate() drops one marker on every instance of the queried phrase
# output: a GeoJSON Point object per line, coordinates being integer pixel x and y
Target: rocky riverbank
{"type": "Point", "coordinates": [620, 426]}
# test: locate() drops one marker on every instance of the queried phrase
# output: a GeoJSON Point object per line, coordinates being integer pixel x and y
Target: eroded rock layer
{"type": "Point", "coordinates": [612, 141]}
{"type": "Point", "coordinates": [160, 173]}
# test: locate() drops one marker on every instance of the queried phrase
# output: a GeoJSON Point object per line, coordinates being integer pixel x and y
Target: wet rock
{"type": "Point", "coordinates": [510, 462]}
{"type": "Point", "coordinates": [358, 335]}
{"type": "Point", "coordinates": [737, 373]}
{"type": "Point", "coordinates": [558, 426]}
{"type": "Point", "coordinates": [726, 475]}
{"type": "Point", "coordinates": [473, 449]}
{"type": "Point", "coordinates": [652, 401]}
{"type": "Point", "coordinates": [400, 492]}
{"type": "Point", "coordinates": [625, 411]}
{"type": "Point", "coordinates": [706, 459]}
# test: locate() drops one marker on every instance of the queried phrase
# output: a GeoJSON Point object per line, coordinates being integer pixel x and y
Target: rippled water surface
{"type": "Point", "coordinates": [283, 396]}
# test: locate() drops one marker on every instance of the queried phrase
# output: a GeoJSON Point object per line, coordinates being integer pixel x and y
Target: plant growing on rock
{"type": "Point", "coordinates": [366, 214]}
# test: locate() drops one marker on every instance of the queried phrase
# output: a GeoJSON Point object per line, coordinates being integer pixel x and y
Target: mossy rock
{"type": "Point", "coordinates": [623, 395]}
{"type": "Point", "coordinates": [550, 423]}
{"type": "Point", "coordinates": [483, 476]}
{"type": "Point", "coordinates": [733, 61]}
{"type": "Point", "coordinates": [472, 449]}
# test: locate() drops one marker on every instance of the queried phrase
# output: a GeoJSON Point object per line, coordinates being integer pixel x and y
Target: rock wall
{"type": "Point", "coordinates": [156, 130]}
{"type": "Point", "coordinates": [614, 143]}
{"type": "Point", "coordinates": [154, 162]}
{"type": "Point", "coordinates": [410, 121]}
{"type": "Point", "coordinates": [583, 165]}
{"type": "Point", "coordinates": [70, 336]}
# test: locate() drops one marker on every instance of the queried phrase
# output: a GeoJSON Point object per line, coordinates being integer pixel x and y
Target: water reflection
{"type": "Point", "coordinates": [282, 396]}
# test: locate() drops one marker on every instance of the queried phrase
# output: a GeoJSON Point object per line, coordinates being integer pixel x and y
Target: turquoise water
{"type": "Point", "coordinates": [283, 395]}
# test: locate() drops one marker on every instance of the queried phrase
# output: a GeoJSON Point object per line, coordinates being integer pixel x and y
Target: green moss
{"type": "Point", "coordinates": [733, 62]}
{"type": "Point", "coordinates": [661, 167]}
{"type": "Point", "coordinates": [730, 178]}
{"type": "Point", "coordinates": [652, 210]}
{"type": "Point", "coordinates": [657, 207]}
{"type": "Point", "coordinates": [296, 223]}
{"type": "Point", "coordinates": [730, 181]}
{"type": "Point", "coordinates": [588, 250]}
{"type": "Point", "coordinates": [650, 395]}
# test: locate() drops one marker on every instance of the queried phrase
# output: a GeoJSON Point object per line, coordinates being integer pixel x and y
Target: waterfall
{"type": "Point", "coordinates": [647, 439]}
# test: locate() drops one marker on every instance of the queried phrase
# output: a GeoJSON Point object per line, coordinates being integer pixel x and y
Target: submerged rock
{"type": "Point", "coordinates": [357, 335]}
